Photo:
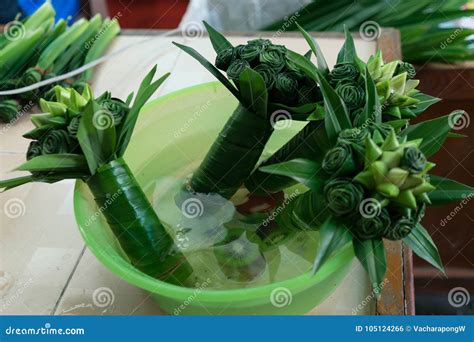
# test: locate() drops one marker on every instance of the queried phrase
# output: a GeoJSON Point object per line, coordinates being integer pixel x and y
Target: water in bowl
{"type": "Point", "coordinates": [226, 248]}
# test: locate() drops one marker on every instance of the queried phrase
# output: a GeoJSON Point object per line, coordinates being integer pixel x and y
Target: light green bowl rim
{"type": "Point", "coordinates": [137, 278]}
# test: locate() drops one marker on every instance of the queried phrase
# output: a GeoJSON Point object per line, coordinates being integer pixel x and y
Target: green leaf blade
{"type": "Point", "coordinates": [210, 67]}
{"type": "Point", "coordinates": [448, 190]}
{"type": "Point", "coordinates": [422, 245]}
{"type": "Point", "coordinates": [371, 254]}
{"type": "Point", "coordinates": [304, 171]}
{"type": "Point", "coordinates": [333, 236]}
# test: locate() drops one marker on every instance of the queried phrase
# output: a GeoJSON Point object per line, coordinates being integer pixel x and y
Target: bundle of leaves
{"type": "Point", "coordinates": [81, 137]}
{"type": "Point", "coordinates": [37, 49]}
{"type": "Point", "coordinates": [373, 94]}
{"type": "Point", "coordinates": [269, 88]}
{"type": "Point", "coordinates": [370, 183]}
{"type": "Point", "coordinates": [285, 82]}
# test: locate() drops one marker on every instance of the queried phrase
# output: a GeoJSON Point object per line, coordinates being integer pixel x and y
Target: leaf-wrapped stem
{"type": "Point", "coordinates": [232, 152]}
{"type": "Point", "coordinates": [134, 222]}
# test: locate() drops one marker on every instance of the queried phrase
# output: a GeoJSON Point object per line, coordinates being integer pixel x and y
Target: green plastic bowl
{"type": "Point", "coordinates": [173, 134]}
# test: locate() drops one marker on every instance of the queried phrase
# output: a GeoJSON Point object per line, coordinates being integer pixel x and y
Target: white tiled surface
{"type": "Point", "coordinates": [45, 267]}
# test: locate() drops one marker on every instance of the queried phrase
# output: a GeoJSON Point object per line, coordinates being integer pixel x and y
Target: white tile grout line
{"type": "Point", "coordinates": [68, 281]}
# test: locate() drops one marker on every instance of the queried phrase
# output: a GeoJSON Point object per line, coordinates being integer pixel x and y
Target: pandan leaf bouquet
{"type": "Point", "coordinates": [78, 136]}
{"type": "Point", "coordinates": [269, 88]}
{"type": "Point", "coordinates": [38, 49]}
{"type": "Point", "coordinates": [366, 168]}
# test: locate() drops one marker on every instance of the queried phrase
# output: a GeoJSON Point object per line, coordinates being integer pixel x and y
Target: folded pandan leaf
{"type": "Point", "coordinates": [356, 95]}
{"type": "Point", "coordinates": [366, 190]}
{"type": "Point", "coordinates": [93, 152]}
{"type": "Point", "coordinates": [269, 87]}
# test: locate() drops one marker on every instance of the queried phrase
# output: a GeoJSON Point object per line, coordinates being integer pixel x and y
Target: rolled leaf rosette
{"type": "Point", "coordinates": [274, 56]}
{"type": "Point", "coordinates": [75, 138]}
{"type": "Point", "coordinates": [285, 87]}
{"type": "Point", "coordinates": [344, 72]}
{"type": "Point", "coordinates": [352, 94]}
{"type": "Point", "coordinates": [343, 196]}
{"type": "Point", "coordinates": [267, 89]}
{"type": "Point", "coordinates": [56, 141]}
{"type": "Point", "coordinates": [268, 74]}
{"type": "Point", "coordinates": [236, 68]}
{"type": "Point", "coordinates": [400, 228]}
{"type": "Point", "coordinates": [413, 159]}
{"type": "Point", "coordinates": [406, 67]}
{"type": "Point", "coordinates": [116, 107]}
{"type": "Point", "coordinates": [251, 53]}
{"type": "Point", "coordinates": [8, 110]}
{"type": "Point", "coordinates": [224, 58]}
{"type": "Point", "coordinates": [35, 149]}
{"type": "Point", "coordinates": [339, 160]}
{"type": "Point", "coordinates": [372, 226]}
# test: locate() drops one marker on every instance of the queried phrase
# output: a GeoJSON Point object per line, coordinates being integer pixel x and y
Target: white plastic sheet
{"type": "Point", "coordinates": [240, 15]}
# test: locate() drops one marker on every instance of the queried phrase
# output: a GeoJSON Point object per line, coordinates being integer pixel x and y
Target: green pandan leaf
{"type": "Point", "coordinates": [254, 91]}
{"type": "Point", "coordinates": [333, 236]}
{"type": "Point", "coordinates": [372, 110]}
{"type": "Point", "coordinates": [304, 171]}
{"type": "Point", "coordinates": [337, 117]}
{"type": "Point", "coordinates": [14, 182]}
{"type": "Point", "coordinates": [219, 42]}
{"type": "Point", "coordinates": [422, 245]}
{"type": "Point", "coordinates": [321, 61]}
{"type": "Point", "coordinates": [97, 136]}
{"type": "Point", "coordinates": [456, 135]}
{"type": "Point", "coordinates": [146, 90]}
{"type": "Point", "coordinates": [371, 254]}
{"type": "Point", "coordinates": [211, 68]}
{"type": "Point", "coordinates": [448, 190]}
{"type": "Point", "coordinates": [433, 132]}
{"type": "Point", "coordinates": [55, 163]}
{"type": "Point", "coordinates": [425, 102]}
{"type": "Point", "coordinates": [348, 53]}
